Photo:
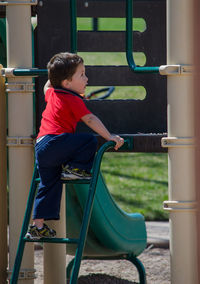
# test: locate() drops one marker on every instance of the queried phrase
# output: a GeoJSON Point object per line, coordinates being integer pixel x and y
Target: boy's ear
{"type": "Point", "coordinates": [65, 83]}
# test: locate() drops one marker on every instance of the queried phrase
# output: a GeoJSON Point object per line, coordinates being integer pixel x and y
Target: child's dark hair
{"type": "Point", "coordinates": [62, 66]}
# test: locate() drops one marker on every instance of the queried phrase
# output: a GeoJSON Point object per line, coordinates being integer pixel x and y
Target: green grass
{"type": "Point", "coordinates": [138, 182]}
{"type": "Point", "coordinates": [110, 24]}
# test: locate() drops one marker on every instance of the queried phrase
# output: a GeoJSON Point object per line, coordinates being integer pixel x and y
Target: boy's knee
{"type": "Point", "coordinates": [93, 141]}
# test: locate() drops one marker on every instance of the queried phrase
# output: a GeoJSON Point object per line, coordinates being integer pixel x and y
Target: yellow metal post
{"type": "Point", "coordinates": [3, 184]}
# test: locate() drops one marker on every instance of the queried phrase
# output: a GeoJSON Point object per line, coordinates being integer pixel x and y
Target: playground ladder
{"type": "Point", "coordinates": [85, 221]}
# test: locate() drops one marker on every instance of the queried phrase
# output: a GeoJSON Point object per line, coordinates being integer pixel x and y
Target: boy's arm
{"type": "Point", "coordinates": [47, 86]}
{"type": "Point", "coordinates": [95, 124]}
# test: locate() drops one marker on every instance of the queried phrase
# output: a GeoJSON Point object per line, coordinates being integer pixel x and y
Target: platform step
{"type": "Point", "coordinates": [74, 181]}
{"type": "Point", "coordinates": [53, 240]}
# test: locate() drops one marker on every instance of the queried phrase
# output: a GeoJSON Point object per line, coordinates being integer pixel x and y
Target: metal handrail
{"type": "Point", "coordinates": [129, 43]}
{"type": "Point", "coordinates": [29, 72]}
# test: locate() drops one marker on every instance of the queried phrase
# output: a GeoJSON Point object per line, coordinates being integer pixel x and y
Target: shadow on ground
{"type": "Point", "coordinates": [102, 279]}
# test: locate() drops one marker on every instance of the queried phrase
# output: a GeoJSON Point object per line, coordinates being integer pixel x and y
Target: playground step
{"type": "Point", "coordinates": [53, 240]}
{"type": "Point", "coordinates": [76, 181]}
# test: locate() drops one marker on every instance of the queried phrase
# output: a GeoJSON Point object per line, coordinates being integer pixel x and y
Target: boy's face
{"type": "Point", "coordinates": [78, 81]}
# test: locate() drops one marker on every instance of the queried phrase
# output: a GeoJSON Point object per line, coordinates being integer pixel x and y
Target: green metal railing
{"type": "Point", "coordinates": [29, 72]}
{"type": "Point", "coordinates": [85, 223]}
{"type": "Point", "coordinates": [129, 42]}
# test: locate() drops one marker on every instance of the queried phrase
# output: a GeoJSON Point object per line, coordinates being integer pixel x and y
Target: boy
{"type": "Point", "coordinates": [60, 152]}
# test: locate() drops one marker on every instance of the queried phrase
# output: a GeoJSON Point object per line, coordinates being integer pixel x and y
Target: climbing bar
{"type": "Point", "coordinates": [129, 43]}
{"type": "Point", "coordinates": [31, 72]}
{"type": "Point", "coordinates": [54, 240]}
{"type": "Point", "coordinates": [77, 181]}
{"type": "Point", "coordinates": [163, 69]}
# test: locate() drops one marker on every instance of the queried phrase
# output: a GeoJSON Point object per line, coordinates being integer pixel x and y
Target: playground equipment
{"type": "Point", "coordinates": [95, 94]}
{"type": "Point", "coordinates": [20, 127]}
{"type": "Point", "coordinates": [113, 232]}
{"type": "Point", "coordinates": [3, 179]}
{"type": "Point", "coordinates": [152, 104]}
{"type": "Point", "coordinates": [180, 143]}
{"type": "Point", "coordinates": [149, 114]}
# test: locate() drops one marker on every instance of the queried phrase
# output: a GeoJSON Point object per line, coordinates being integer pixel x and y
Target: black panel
{"type": "Point", "coordinates": [129, 116]}
{"type": "Point", "coordinates": [115, 8]}
{"type": "Point", "coordinates": [108, 41]}
{"type": "Point", "coordinates": [52, 37]}
{"type": "Point", "coordinates": [2, 11]}
{"type": "Point", "coordinates": [121, 76]}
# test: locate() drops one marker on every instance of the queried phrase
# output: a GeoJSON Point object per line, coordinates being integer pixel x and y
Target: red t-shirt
{"type": "Point", "coordinates": [62, 113]}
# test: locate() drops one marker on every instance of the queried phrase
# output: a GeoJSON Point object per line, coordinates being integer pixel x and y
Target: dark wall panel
{"type": "Point", "coordinates": [128, 116]}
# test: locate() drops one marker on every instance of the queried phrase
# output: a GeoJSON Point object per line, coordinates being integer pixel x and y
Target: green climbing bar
{"type": "Point", "coordinates": [129, 43]}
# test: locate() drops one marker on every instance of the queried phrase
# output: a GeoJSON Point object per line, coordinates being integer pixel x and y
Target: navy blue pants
{"type": "Point", "coordinates": [53, 151]}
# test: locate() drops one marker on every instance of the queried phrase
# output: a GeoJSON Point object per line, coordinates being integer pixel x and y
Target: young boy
{"type": "Point", "coordinates": [60, 152]}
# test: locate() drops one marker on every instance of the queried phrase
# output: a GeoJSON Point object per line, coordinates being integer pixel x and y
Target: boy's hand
{"type": "Point", "coordinates": [96, 124]}
{"type": "Point", "coordinates": [119, 141]}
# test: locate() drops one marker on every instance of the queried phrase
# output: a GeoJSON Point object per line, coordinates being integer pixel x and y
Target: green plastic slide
{"type": "Point", "coordinates": [112, 232]}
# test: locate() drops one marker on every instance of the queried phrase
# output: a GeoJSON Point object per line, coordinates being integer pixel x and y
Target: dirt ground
{"type": "Point", "coordinates": [155, 260]}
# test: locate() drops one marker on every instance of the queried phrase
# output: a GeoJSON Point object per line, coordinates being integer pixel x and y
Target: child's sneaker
{"type": "Point", "coordinates": [74, 173]}
{"type": "Point", "coordinates": [45, 232]}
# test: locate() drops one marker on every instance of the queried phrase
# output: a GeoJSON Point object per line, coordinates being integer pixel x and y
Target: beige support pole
{"type": "Point", "coordinates": [3, 184]}
{"type": "Point", "coordinates": [197, 116]}
{"type": "Point", "coordinates": [182, 197]}
{"type": "Point", "coordinates": [55, 254]}
{"type": "Point", "coordinates": [20, 124]}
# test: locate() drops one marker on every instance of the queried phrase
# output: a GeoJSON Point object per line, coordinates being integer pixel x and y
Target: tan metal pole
{"type": "Point", "coordinates": [197, 115]}
{"type": "Point", "coordinates": [3, 184]}
{"type": "Point", "coordinates": [55, 254]}
{"type": "Point", "coordinates": [20, 124]}
{"type": "Point", "coordinates": [182, 197]}
{"type": "Point", "coordinates": [21, 158]}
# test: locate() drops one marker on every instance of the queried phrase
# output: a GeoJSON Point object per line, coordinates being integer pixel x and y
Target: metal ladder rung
{"type": "Point", "coordinates": [74, 181]}
{"type": "Point", "coordinates": [53, 240]}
